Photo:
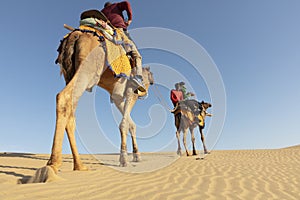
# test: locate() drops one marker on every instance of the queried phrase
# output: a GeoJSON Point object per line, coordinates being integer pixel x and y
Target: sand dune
{"type": "Point", "coordinates": [239, 174]}
{"type": "Point", "coordinates": [293, 147]}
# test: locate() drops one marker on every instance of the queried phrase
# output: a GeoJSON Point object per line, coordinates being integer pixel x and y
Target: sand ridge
{"type": "Point", "coordinates": [236, 174]}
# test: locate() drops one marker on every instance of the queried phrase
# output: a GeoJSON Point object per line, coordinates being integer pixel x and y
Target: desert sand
{"type": "Point", "coordinates": [230, 174]}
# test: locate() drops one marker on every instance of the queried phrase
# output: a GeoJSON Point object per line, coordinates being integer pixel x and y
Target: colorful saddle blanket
{"type": "Point", "coordinates": [116, 58]}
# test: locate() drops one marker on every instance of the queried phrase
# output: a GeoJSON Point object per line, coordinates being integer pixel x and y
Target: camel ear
{"type": "Point", "coordinates": [147, 68]}
{"type": "Point", "coordinates": [202, 102]}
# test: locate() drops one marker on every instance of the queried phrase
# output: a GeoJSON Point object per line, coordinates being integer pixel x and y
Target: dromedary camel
{"type": "Point", "coordinates": [186, 119]}
{"type": "Point", "coordinates": [83, 64]}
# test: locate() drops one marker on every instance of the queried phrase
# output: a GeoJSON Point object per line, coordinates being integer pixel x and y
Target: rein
{"type": "Point", "coordinates": [162, 100]}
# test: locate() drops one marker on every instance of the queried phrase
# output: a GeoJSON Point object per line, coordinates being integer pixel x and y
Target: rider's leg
{"type": "Point", "coordinates": [137, 79]}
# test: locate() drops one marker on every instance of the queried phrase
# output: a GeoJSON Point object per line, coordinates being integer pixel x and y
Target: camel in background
{"type": "Point", "coordinates": [187, 118]}
{"type": "Point", "coordinates": [83, 64]}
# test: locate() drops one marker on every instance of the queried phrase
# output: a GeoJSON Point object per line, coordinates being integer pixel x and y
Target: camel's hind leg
{"type": "Point", "coordinates": [67, 99]}
{"type": "Point", "coordinates": [66, 103]}
{"type": "Point", "coordinates": [71, 126]}
{"type": "Point", "coordinates": [63, 113]}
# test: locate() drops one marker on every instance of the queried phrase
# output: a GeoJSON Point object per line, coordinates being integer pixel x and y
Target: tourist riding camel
{"type": "Point", "coordinates": [179, 94]}
{"type": "Point", "coordinates": [91, 56]}
{"type": "Point", "coordinates": [188, 113]}
{"type": "Point", "coordinates": [187, 119]}
{"type": "Point", "coordinates": [114, 13]}
{"type": "Point", "coordinates": [176, 95]}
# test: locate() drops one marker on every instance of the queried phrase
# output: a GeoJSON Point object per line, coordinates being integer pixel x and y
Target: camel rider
{"type": "Point", "coordinates": [176, 94]}
{"type": "Point", "coordinates": [190, 103]}
{"type": "Point", "coordinates": [114, 13]}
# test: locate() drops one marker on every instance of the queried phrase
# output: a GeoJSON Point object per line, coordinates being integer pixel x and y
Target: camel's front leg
{"type": "Point", "coordinates": [128, 125]}
{"type": "Point", "coordinates": [118, 99]}
{"type": "Point", "coordinates": [135, 151]}
{"type": "Point", "coordinates": [123, 152]}
{"type": "Point", "coordinates": [178, 140]}
{"type": "Point", "coordinates": [132, 130]}
{"type": "Point", "coordinates": [184, 141]}
{"type": "Point", "coordinates": [193, 140]}
{"type": "Point", "coordinates": [203, 140]}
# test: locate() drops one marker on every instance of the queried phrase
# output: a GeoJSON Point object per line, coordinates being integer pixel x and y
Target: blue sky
{"type": "Point", "coordinates": [254, 44]}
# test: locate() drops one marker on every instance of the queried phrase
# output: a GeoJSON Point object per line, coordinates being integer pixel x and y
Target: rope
{"type": "Point", "coordinates": [161, 99]}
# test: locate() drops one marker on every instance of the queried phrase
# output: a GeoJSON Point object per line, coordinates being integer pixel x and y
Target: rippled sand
{"type": "Point", "coordinates": [237, 174]}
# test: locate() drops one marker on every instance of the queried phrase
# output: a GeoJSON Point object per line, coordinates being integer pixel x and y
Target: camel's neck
{"type": "Point", "coordinates": [203, 113]}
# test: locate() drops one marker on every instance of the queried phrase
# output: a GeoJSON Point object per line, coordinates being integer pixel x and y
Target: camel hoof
{"type": "Point", "coordinates": [179, 152]}
{"type": "Point", "coordinates": [136, 157]}
{"type": "Point", "coordinates": [123, 165]}
{"type": "Point", "coordinates": [43, 175]}
{"type": "Point", "coordinates": [123, 159]}
{"type": "Point", "coordinates": [194, 154]}
{"type": "Point", "coordinates": [55, 165]}
{"type": "Point", "coordinates": [80, 168]}
{"type": "Point", "coordinates": [206, 152]}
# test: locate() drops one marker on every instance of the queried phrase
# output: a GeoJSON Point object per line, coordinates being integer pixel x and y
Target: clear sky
{"type": "Point", "coordinates": [254, 45]}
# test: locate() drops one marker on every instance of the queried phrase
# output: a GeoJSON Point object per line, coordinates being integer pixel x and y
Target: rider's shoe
{"type": "Point", "coordinates": [138, 82]}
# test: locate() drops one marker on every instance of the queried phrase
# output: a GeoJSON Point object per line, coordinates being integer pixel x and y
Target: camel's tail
{"type": "Point", "coordinates": [66, 56]}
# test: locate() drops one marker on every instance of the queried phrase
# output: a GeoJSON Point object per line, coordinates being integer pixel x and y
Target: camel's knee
{"type": "Point", "coordinates": [193, 139]}
{"type": "Point", "coordinates": [117, 97]}
{"type": "Point", "coordinates": [64, 103]}
{"type": "Point", "coordinates": [177, 134]}
{"type": "Point", "coordinates": [124, 126]}
{"type": "Point", "coordinates": [71, 125]}
{"type": "Point", "coordinates": [132, 128]}
{"type": "Point", "coordinates": [61, 104]}
{"type": "Point", "coordinates": [61, 101]}
{"type": "Point", "coordinates": [202, 138]}
{"type": "Point", "coordinates": [184, 139]}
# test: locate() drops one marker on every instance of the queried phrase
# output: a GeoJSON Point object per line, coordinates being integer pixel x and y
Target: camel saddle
{"type": "Point", "coordinates": [93, 14]}
{"type": "Point", "coordinates": [189, 108]}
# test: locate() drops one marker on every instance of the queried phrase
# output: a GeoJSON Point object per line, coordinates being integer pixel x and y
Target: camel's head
{"type": "Point", "coordinates": [205, 105]}
{"type": "Point", "coordinates": [147, 80]}
{"type": "Point", "coordinates": [148, 76]}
